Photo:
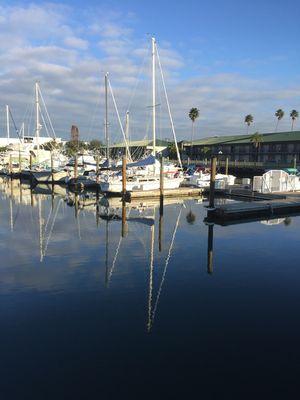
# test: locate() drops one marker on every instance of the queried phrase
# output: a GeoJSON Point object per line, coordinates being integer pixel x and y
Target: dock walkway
{"type": "Point", "coordinates": [255, 210]}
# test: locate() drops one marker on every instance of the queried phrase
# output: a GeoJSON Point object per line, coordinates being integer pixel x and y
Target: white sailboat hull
{"type": "Point", "coordinates": [115, 186]}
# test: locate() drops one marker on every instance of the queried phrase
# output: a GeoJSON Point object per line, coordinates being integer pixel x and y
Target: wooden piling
{"type": "Point", "coordinates": [213, 167]}
{"type": "Point", "coordinates": [124, 176]}
{"type": "Point", "coordinates": [20, 162]}
{"type": "Point", "coordinates": [10, 165]}
{"type": "Point", "coordinates": [97, 168]}
{"type": "Point", "coordinates": [76, 169]}
{"type": "Point", "coordinates": [30, 162]}
{"type": "Point", "coordinates": [161, 184]}
{"type": "Point", "coordinates": [52, 169]}
{"type": "Point", "coordinates": [226, 166]}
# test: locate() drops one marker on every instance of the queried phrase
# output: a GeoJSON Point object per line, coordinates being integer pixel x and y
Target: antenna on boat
{"type": "Point", "coordinates": [153, 98]}
{"type": "Point", "coordinates": [37, 117]}
{"type": "Point", "coordinates": [106, 118]}
{"type": "Point", "coordinates": [127, 132]}
{"type": "Point", "coordinates": [7, 123]}
{"type": "Point", "coordinates": [119, 119]}
{"type": "Point", "coordinates": [169, 109]}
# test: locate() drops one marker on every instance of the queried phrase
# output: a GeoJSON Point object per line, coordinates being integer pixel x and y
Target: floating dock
{"type": "Point", "coordinates": [180, 192]}
{"type": "Point", "coordinates": [257, 210]}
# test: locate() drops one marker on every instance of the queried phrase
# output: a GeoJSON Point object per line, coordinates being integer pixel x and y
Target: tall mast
{"type": "Point", "coordinates": [7, 122]}
{"type": "Point", "coordinates": [37, 116]}
{"type": "Point", "coordinates": [153, 98]}
{"type": "Point", "coordinates": [106, 118]}
{"type": "Point", "coordinates": [127, 133]}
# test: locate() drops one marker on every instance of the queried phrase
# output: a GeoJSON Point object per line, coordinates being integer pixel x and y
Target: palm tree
{"type": "Point", "coordinates": [279, 115]}
{"type": "Point", "coordinates": [193, 114]}
{"type": "Point", "coordinates": [294, 115]}
{"type": "Point", "coordinates": [256, 140]}
{"type": "Point", "coordinates": [248, 121]}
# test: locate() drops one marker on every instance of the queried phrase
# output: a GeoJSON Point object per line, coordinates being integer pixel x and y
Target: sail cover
{"type": "Point", "coordinates": [150, 160]}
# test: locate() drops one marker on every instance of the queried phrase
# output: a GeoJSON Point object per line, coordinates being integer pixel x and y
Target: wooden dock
{"type": "Point", "coordinates": [180, 192]}
{"type": "Point", "coordinates": [257, 210]}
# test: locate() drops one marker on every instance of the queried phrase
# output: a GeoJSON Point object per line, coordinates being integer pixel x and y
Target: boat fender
{"type": "Point", "coordinates": [105, 178]}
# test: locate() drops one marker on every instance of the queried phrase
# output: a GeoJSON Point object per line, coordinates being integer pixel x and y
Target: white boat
{"type": "Point", "coordinates": [139, 183]}
{"type": "Point", "coordinates": [202, 180]}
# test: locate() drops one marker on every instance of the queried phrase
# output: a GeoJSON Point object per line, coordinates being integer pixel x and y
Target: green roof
{"type": "Point", "coordinates": [244, 139]}
{"type": "Point", "coordinates": [143, 143]}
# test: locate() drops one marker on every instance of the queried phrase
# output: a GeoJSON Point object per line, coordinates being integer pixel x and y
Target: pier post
{"type": "Point", "coordinates": [161, 185]}
{"type": "Point", "coordinates": [97, 168]}
{"type": "Point", "coordinates": [213, 167]}
{"type": "Point", "coordinates": [226, 166]}
{"type": "Point", "coordinates": [123, 176]}
{"type": "Point", "coordinates": [20, 163]}
{"type": "Point", "coordinates": [30, 162]}
{"type": "Point", "coordinates": [10, 165]}
{"type": "Point", "coordinates": [76, 169]}
{"type": "Point", "coordinates": [52, 169]}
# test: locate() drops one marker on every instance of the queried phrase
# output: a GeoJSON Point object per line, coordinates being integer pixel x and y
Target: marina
{"type": "Point", "coordinates": [149, 200]}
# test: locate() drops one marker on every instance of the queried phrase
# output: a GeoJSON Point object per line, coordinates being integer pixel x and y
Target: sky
{"type": "Point", "coordinates": [227, 58]}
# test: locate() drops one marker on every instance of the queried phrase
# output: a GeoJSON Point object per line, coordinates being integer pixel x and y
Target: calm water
{"type": "Point", "coordinates": [86, 313]}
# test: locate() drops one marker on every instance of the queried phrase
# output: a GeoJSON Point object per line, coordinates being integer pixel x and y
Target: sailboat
{"type": "Point", "coordinates": [144, 174]}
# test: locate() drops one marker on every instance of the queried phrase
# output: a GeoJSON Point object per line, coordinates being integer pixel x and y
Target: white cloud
{"type": "Point", "coordinates": [48, 43]}
{"type": "Point", "coordinates": [76, 42]}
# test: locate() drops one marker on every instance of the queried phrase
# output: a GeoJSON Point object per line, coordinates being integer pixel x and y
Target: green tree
{"type": "Point", "coordinates": [294, 115]}
{"type": "Point", "coordinates": [206, 151]}
{"type": "Point", "coordinates": [52, 145]}
{"type": "Point", "coordinates": [248, 121]}
{"type": "Point", "coordinates": [172, 151]}
{"type": "Point", "coordinates": [95, 145]}
{"type": "Point", "coordinates": [193, 115]}
{"type": "Point", "coordinates": [256, 140]}
{"type": "Point", "coordinates": [279, 115]}
{"type": "Point", "coordinates": [73, 147]}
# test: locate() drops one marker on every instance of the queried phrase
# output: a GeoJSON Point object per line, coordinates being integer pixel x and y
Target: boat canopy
{"type": "Point", "coordinates": [150, 160]}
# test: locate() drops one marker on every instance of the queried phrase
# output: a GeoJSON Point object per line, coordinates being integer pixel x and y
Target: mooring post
{"type": "Point", "coordinates": [97, 168]}
{"type": "Point", "coordinates": [52, 169]}
{"type": "Point", "coordinates": [10, 165]}
{"type": "Point", "coordinates": [226, 166]}
{"type": "Point", "coordinates": [161, 184]}
{"type": "Point", "coordinates": [30, 162]}
{"type": "Point", "coordinates": [295, 162]}
{"type": "Point", "coordinates": [20, 163]}
{"type": "Point", "coordinates": [123, 177]}
{"type": "Point", "coordinates": [213, 167]}
{"type": "Point", "coordinates": [76, 169]}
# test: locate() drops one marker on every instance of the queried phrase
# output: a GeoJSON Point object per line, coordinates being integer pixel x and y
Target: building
{"type": "Point", "coordinates": [74, 133]}
{"type": "Point", "coordinates": [273, 148]}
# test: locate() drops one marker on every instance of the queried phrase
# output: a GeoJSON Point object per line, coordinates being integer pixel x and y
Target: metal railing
{"type": "Point", "coordinates": [242, 164]}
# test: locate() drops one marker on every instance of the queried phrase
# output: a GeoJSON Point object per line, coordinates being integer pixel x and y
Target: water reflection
{"type": "Point", "coordinates": [89, 230]}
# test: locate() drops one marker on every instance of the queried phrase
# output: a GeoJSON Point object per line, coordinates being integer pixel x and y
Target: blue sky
{"type": "Point", "coordinates": [228, 58]}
